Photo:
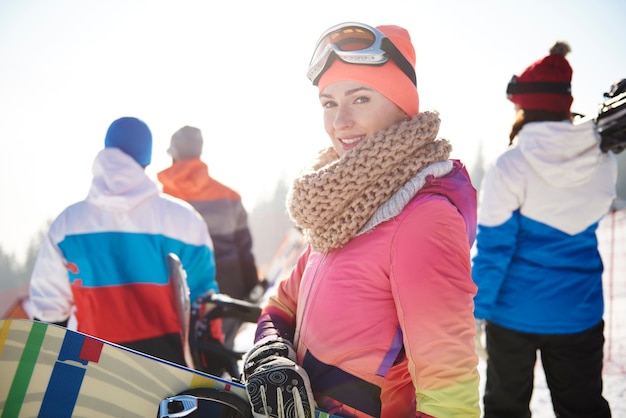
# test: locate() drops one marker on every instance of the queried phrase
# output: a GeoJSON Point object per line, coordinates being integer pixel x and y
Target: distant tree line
{"type": "Point", "coordinates": [14, 273]}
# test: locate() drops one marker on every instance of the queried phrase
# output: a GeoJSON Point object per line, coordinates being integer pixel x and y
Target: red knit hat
{"type": "Point", "coordinates": [388, 79]}
{"type": "Point", "coordinates": [546, 84]}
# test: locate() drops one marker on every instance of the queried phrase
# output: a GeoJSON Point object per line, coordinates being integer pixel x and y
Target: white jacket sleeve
{"type": "Point", "coordinates": [50, 293]}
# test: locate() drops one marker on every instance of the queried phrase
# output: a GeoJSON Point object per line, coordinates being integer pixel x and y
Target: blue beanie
{"type": "Point", "coordinates": [132, 136]}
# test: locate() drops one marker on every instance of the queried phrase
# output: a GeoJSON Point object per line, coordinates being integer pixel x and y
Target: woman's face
{"type": "Point", "coordinates": [353, 111]}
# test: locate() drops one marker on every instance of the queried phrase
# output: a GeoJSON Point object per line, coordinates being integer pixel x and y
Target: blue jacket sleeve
{"type": "Point", "coordinates": [495, 247]}
{"type": "Point", "coordinates": [199, 262]}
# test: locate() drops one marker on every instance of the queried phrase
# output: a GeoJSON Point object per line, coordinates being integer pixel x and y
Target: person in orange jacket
{"type": "Point", "coordinates": [221, 207]}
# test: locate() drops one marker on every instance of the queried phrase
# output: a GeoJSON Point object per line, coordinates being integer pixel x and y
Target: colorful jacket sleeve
{"type": "Point", "coordinates": [50, 293]}
{"type": "Point", "coordinates": [189, 238]}
{"type": "Point", "coordinates": [199, 264]}
{"type": "Point", "coordinates": [435, 308]}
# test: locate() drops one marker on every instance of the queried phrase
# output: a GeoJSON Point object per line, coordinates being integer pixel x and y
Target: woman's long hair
{"type": "Point", "coordinates": [525, 116]}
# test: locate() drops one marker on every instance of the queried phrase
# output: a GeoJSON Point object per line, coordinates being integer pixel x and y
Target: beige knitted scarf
{"type": "Point", "coordinates": [332, 200]}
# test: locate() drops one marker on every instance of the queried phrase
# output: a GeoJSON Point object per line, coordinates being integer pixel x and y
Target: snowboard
{"type": "Point", "coordinates": [49, 371]}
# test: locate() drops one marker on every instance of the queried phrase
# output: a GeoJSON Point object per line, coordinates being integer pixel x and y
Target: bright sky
{"type": "Point", "coordinates": [236, 70]}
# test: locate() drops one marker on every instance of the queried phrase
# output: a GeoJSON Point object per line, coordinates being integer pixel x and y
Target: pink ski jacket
{"type": "Point", "coordinates": [384, 325]}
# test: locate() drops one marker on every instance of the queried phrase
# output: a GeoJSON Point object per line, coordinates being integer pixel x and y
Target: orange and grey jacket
{"type": "Point", "coordinates": [226, 218]}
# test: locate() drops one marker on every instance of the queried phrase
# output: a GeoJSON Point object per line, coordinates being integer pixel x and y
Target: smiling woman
{"type": "Point", "coordinates": [381, 204]}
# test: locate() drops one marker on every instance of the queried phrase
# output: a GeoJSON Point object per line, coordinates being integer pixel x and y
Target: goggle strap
{"type": "Point", "coordinates": [515, 87]}
{"type": "Point", "coordinates": [400, 60]}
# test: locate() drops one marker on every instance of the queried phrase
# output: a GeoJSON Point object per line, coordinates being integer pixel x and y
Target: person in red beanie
{"type": "Point", "coordinates": [376, 319]}
{"type": "Point", "coordinates": [537, 264]}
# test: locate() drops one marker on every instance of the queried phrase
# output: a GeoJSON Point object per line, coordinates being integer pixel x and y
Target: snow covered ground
{"type": "Point", "coordinates": [612, 241]}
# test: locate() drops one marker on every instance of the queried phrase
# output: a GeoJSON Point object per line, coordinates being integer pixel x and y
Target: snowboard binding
{"type": "Point", "coordinates": [204, 403]}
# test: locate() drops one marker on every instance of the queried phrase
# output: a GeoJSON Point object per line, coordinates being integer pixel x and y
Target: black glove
{"type": "Point", "coordinates": [276, 385]}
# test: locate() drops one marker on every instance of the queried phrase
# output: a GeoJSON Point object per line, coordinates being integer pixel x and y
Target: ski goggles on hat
{"type": "Point", "coordinates": [355, 43]}
{"type": "Point", "coordinates": [552, 87]}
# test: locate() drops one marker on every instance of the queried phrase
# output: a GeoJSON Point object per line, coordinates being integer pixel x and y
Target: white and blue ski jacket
{"type": "Point", "coordinates": [102, 264]}
{"type": "Point", "coordinates": [537, 265]}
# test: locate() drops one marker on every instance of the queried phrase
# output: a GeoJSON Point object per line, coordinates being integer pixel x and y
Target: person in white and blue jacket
{"type": "Point", "coordinates": [537, 264]}
{"type": "Point", "coordinates": [102, 269]}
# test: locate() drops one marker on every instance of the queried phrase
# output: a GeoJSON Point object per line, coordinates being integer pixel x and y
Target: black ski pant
{"type": "Point", "coordinates": [572, 364]}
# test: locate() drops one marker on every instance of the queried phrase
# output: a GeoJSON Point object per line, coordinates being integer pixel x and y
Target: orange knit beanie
{"type": "Point", "coordinates": [388, 79]}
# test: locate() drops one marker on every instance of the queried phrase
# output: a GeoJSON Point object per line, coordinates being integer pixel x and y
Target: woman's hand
{"type": "Point", "coordinates": [277, 387]}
